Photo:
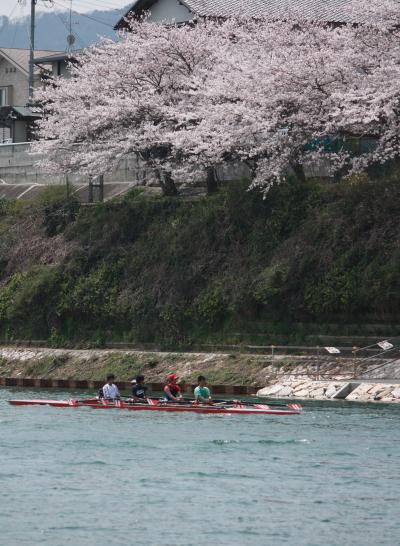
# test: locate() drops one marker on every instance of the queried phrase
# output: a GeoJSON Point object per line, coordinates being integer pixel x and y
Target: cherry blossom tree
{"type": "Point", "coordinates": [298, 89]}
{"type": "Point", "coordinates": [123, 98]}
{"type": "Point", "coordinates": [276, 96]}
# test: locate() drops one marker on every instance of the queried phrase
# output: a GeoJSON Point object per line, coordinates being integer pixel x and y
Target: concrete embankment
{"type": "Point", "coordinates": [220, 368]}
{"type": "Point", "coordinates": [333, 390]}
{"type": "Point", "coordinates": [288, 376]}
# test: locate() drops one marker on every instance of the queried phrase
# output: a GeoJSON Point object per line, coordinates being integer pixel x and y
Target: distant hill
{"type": "Point", "coordinates": [52, 29]}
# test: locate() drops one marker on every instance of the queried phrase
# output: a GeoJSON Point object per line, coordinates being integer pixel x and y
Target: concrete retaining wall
{"type": "Point", "coordinates": [240, 390]}
{"type": "Point", "coordinates": [18, 166]}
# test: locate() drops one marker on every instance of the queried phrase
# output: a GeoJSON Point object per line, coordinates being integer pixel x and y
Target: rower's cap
{"type": "Point", "coordinates": [172, 377]}
{"type": "Point", "coordinates": [133, 381]}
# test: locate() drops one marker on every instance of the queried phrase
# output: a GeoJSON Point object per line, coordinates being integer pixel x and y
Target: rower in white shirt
{"type": "Point", "coordinates": [110, 390]}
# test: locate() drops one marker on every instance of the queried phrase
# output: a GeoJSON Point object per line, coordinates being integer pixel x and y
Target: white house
{"type": "Point", "coordinates": [182, 11]}
{"type": "Point", "coordinates": [56, 63]}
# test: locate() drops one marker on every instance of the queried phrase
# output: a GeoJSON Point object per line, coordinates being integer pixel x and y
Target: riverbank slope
{"type": "Point", "coordinates": [220, 368]}
{"type": "Point", "coordinates": [309, 259]}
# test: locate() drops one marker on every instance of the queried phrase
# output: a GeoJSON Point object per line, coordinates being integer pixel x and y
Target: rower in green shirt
{"type": "Point", "coordinates": [201, 392]}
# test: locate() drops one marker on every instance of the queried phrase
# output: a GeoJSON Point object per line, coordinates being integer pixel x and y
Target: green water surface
{"type": "Point", "coordinates": [84, 477]}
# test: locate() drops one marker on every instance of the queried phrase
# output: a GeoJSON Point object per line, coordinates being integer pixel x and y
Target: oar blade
{"type": "Point", "coordinates": [295, 407]}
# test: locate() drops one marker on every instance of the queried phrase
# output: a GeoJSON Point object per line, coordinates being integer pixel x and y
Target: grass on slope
{"type": "Point", "coordinates": [176, 272]}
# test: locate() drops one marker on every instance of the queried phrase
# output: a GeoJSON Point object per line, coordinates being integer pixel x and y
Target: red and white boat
{"type": "Point", "coordinates": [234, 407]}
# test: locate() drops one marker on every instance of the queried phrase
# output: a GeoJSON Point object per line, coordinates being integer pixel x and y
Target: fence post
{"type": "Point", "coordinates": [90, 196]}
{"type": "Point", "coordinates": [67, 185]}
{"type": "Point", "coordinates": [101, 188]}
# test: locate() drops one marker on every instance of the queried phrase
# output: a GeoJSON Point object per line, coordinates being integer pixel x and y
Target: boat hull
{"type": "Point", "coordinates": [182, 408]}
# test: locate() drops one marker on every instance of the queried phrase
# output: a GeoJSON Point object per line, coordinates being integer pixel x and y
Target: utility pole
{"type": "Point", "coordinates": [32, 49]}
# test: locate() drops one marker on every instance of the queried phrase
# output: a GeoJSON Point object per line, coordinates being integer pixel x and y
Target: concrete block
{"type": "Point", "coordinates": [380, 395]}
{"type": "Point", "coordinates": [396, 393]}
{"type": "Point", "coordinates": [317, 393]}
{"type": "Point", "coordinates": [345, 390]}
{"type": "Point", "coordinates": [269, 391]}
{"type": "Point", "coordinates": [285, 391]}
{"type": "Point", "coordinates": [305, 393]}
{"type": "Point", "coordinates": [361, 392]}
{"type": "Point", "coordinates": [331, 391]}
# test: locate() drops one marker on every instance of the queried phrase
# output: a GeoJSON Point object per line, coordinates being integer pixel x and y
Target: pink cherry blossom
{"type": "Point", "coordinates": [278, 96]}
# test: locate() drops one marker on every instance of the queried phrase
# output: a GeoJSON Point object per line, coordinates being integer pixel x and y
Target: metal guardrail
{"type": "Point", "coordinates": [266, 350]}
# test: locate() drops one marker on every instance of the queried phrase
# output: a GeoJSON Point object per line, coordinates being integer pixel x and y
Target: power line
{"type": "Point", "coordinates": [15, 25]}
{"type": "Point", "coordinates": [2, 29]}
{"type": "Point", "coordinates": [65, 23]}
{"type": "Point", "coordinates": [101, 4]}
{"type": "Point", "coordinates": [107, 24]}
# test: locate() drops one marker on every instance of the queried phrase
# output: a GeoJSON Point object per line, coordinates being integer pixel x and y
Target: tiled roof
{"type": "Point", "coordinates": [333, 11]}
{"type": "Point", "coordinates": [28, 111]}
{"type": "Point", "coordinates": [320, 10]}
{"type": "Point", "coordinates": [20, 57]}
{"type": "Point", "coordinates": [55, 56]}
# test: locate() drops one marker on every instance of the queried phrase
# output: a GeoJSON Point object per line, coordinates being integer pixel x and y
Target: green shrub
{"type": "Point", "coordinates": [229, 267]}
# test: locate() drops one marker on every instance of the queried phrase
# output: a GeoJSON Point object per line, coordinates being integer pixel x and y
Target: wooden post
{"type": "Point", "coordinates": [90, 196]}
{"type": "Point", "coordinates": [101, 188]}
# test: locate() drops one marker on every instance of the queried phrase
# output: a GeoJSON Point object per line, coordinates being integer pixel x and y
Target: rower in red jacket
{"type": "Point", "coordinates": [172, 391]}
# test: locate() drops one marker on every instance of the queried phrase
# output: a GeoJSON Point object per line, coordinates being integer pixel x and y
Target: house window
{"type": "Point", "coordinates": [3, 96]}
{"type": "Point", "coordinates": [5, 134]}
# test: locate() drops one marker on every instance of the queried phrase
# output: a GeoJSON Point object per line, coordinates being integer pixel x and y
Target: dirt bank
{"type": "Point", "coordinates": [220, 368]}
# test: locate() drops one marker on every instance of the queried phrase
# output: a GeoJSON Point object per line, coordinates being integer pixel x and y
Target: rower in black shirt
{"type": "Point", "coordinates": [139, 389]}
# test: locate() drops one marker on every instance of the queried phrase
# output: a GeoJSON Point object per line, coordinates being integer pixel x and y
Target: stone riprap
{"type": "Point", "coordinates": [331, 390]}
{"type": "Point", "coordinates": [372, 392]}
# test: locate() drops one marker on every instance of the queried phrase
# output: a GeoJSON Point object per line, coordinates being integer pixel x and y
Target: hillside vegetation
{"type": "Point", "coordinates": [309, 258]}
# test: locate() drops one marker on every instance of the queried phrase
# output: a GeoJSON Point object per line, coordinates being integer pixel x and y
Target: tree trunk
{"type": "Point", "coordinates": [252, 166]}
{"type": "Point", "coordinates": [168, 185]}
{"type": "Point", "coordinates": [299, 172]}
{"type": "Point", "coordinates": [211, 180]}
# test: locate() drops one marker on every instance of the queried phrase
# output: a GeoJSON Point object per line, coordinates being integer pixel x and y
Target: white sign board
{"type": "Point", "coordinates": [332, 350]}
{"type": "Point", "coordinates": [385, 345]}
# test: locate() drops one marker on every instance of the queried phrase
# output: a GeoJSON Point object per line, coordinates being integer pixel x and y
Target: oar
{"type": "Point", "coordinates": [296, 407]}
{"type": "Point", "coordinates": [229, 403]}
{"type": "Point", "coordinates": [245, 402]}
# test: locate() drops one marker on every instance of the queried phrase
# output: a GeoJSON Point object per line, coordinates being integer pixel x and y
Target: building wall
{"type": "Point", "coordinates": [20, 131]}
{"type": "Point", "coordinates": [60, 68]}
{"type": "Point", "coordinates": [18, 80]}
{"type": "Point", "coordinates": [169, 11]}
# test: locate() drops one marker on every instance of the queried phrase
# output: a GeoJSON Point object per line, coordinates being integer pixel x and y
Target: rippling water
{"type": "Point", "coordinates": [83, 477]}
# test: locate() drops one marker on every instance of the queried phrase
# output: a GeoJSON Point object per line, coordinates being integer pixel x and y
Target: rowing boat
{"type": "Point", "coordinates": [237, 407]}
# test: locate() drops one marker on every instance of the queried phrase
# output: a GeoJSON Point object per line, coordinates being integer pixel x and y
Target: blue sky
{"type": "Point", "coordinates": [13, 9]}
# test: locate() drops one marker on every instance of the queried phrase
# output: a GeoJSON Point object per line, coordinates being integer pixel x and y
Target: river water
{"type": "Point", "coordinates": [84, 477]}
